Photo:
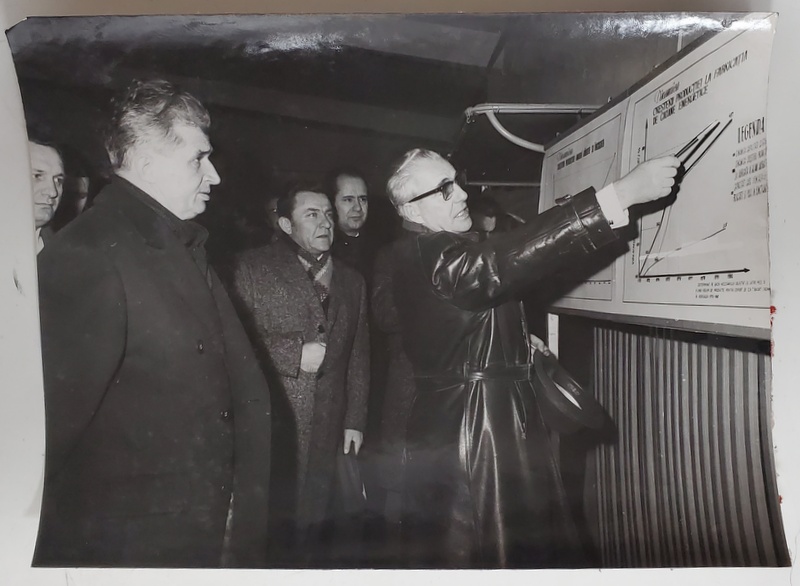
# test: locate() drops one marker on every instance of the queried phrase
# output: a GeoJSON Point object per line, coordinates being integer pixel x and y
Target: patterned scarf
{"type": "Point", "coordinates": [319, 270]}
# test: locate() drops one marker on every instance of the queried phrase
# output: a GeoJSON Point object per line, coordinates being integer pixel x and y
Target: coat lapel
{"type": "Point", "coordinates": [296, 279]}
{"type": "Point", "coordinates": [337, 293]}
{"type": "Point", "coordinates": [182, 276]}
{"type": "Point", "coordinates": [169, 259]}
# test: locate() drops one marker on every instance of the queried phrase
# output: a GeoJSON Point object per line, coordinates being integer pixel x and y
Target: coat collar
{"type": "Point", "coordinates": [156, 224]}
{"type": "Point", "coordinates": [173, 245]}
{"type": "Point", "coordinates": [43, 237]}
{"type": "Point", "coordinates": [340, 234]}
{"type": "Point", "coordinates": [416, 228]}
{"type": "Point", "coordinates": [293, 273]}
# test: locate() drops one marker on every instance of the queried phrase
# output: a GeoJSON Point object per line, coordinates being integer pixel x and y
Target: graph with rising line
{"type": "Point", "coordinates": [705, 244]}
{"type": "Point", "coordinates": [651, 259]}
{"type": "Point", "coordinates": [696, 259]}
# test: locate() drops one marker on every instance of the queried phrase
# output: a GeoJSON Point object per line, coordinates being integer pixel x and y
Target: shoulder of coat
{"type": "Point", "coordinates": [348, 273]}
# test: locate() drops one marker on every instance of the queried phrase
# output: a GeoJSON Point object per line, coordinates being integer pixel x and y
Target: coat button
{"type": "Point", "coordinates": [321, 329]}
{"type": "Point", "coordinates": [200, 347]}
{"type": "Point", "coordinates": [225, 415]}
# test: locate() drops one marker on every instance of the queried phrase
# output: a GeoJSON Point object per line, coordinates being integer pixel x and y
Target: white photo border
{"type": "Point", "coordinates": [22, 415]}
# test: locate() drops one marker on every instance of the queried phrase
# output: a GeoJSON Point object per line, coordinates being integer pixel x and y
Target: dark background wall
{"type": "Point", "coordinates": [284, 109]}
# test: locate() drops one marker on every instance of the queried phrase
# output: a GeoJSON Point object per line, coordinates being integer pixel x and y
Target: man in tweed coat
{"type": "Point", "coordinates": [308, 313]}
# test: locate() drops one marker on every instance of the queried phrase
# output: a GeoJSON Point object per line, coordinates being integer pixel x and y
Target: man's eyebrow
{"type": "Point", "coordinates": [45, 170]}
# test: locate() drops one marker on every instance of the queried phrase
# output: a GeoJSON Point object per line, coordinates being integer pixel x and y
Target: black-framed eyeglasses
{"type": "Point", "coordinates": [445, 188]}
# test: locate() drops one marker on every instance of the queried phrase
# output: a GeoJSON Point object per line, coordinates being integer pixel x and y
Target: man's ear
{"type": "Point", "coordinates": [285, 225]}
{"type": "Point", "coordinates": [141, 165]}
{"type": "Point", "coordinates": [410, 212]}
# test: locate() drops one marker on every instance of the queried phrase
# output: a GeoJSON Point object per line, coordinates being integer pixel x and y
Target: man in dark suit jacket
{"type": "Point", "coordinates": [158, 417]}
{"type": "Point", "coordinates": [347, 191]}
{"type": "Point", "coordinates": [309, 313]}
{"type": "Point", "coordinates": [47, 181]}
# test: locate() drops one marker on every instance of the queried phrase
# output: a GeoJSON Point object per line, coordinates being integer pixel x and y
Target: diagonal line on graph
{"type": "Point", "coordinates": [686, 153]}
{"type": "Point", "coordinates": [666, 255]}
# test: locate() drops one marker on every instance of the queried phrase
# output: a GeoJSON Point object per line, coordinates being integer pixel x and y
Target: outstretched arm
{"type": "Point", "coordinates": [476, 275]}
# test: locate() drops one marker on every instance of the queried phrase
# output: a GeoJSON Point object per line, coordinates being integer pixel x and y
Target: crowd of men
{"type": "Point", "coordinates": [194, 424]}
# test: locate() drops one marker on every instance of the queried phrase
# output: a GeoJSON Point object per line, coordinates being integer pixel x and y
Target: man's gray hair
{"type": "Point", "coordinates": [402, 172]}
{"type": "Point", "coordinates": [150, 110]}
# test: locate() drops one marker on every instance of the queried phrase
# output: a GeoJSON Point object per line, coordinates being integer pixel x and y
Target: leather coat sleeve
{"type": "Point", "coordinates": [477, 275]}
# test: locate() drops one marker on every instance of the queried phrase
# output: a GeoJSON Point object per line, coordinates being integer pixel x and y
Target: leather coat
{"type": "Point", "coordinates": [484, 489]}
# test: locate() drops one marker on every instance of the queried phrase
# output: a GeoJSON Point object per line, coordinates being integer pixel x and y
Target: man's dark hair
{"type": "Point", "coordinates": [332, 178]}
{"type": "Point", "coordinates": [40, 134]}
{"type": "Point", "coordinates": [288, 201]}
{"type": "Point", "coordinates": [150, 110]}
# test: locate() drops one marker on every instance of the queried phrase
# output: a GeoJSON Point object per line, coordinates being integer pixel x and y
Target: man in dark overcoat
{"type": "Point", "coordinates": [398, 395]}
{"type": "Point", "coordinates": [354, 240]}
{"type": "Point", "coordinates": [309, 313]}
{"type": "Point", "coordinates": [157, 414]}
{"type": "Point", "coordinates": [483, 487]}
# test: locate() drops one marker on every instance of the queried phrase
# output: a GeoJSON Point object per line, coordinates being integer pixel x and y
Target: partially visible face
{"type": "Point", "coordinates": [47, 172]}
{"type": "Point", "coordinates": [311, 225]}
{"type": "Point", "coordinates": [485, 223]}
{"type": "Point", "coordinates": [351, 204]}
{"type": "Point", "coordinates": [82, 191]}
{"type": "Point", "coordinates": [180, 176]}
{"type": "Point", "coordinates": [436, 213]}
{"type": "Point", "coordinates": [272, 213]}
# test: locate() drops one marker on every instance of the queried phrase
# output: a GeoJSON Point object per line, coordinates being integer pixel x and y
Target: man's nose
{"type": "Point", "coordinates": [357, 206]}
{"type": "Point", "coordinates": [51, 189]}
{"type": "Point", "coordinates": [458, 193]}
{"type": "Point", "coordinates": [212, 175]}
{"type": "Point", "coordinates": [326, 222]}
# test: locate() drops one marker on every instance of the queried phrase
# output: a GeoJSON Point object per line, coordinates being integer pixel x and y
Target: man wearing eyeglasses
{"type": "Point", "coordinates": [483, 487]}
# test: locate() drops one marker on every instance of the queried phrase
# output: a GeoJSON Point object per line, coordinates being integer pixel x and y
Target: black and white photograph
{"type": "Point", "coordinates": [410, 291]}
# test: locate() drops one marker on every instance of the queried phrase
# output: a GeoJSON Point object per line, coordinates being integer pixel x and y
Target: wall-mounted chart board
{"type": "Point", "coordinates": [590, 157]}
{"type": "Point", "coordinates": [700, 262]}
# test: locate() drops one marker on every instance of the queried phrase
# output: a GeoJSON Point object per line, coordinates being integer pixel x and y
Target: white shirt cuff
{"type": "Point", "coordinates": [608, 199]}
